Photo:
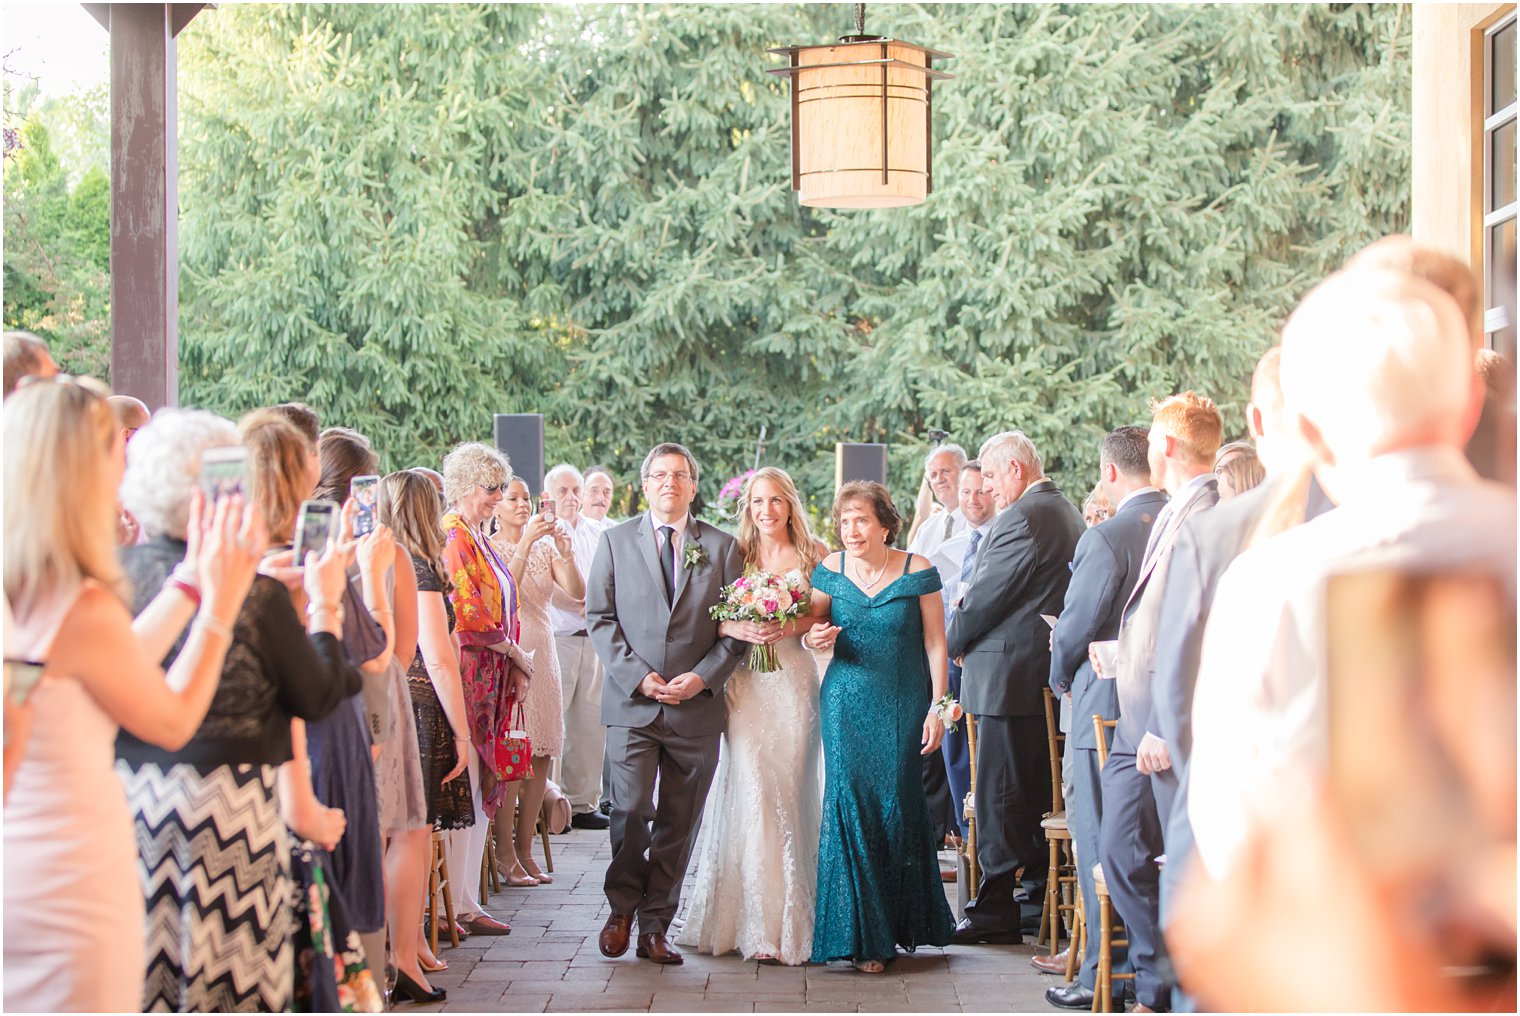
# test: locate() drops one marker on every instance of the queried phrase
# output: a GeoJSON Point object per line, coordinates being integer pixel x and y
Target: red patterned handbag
{"type": "Point", "coordinates": [514, 751]}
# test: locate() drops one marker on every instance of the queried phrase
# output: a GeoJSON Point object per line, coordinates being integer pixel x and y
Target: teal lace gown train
{"type": "Point", "coordinates": [878, 876]}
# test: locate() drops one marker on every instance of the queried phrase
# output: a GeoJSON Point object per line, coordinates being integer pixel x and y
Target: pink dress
{"type": "Point", "coordinates": [543, 713]}
{"type": "Point", "coordinates": [74, 920]}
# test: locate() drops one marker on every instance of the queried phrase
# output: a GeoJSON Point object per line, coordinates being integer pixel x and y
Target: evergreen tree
{"type": "Point", "coordinates": [415, 216]}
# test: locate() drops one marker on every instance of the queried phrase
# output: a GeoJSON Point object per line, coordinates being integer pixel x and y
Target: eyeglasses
{"type": "Point", "coordinates": [661, 477]}
{"type": "Point", "coordinates": [492, 488]}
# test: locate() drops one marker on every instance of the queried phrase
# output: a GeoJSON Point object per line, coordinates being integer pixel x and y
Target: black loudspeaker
{"type": "Point", "coordinates": [520, 437]}
{"type": "Point", "coordinates": [859, 462]}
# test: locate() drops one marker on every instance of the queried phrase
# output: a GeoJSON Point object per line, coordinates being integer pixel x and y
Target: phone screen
{"type": "Point", "coordinates": [21, 677]}
{"type": "Point", "coordinates": [224, 472]}
{"type": "Point", "coordinates": [363, 490]}
{"type": "Point", "coordinates": [314, 528]}
{"type": "Point", "coordinates": [1421, 710]}
{"type": "Point", "coordinates": [546, 506]}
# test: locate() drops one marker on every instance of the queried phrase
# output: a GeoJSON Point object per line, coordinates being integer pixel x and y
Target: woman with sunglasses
{"type": "Point", "coordinates": [485, 609]}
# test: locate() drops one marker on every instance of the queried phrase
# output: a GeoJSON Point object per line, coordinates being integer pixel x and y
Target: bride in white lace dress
{"type": "Point", "coordinates": [757, 861]}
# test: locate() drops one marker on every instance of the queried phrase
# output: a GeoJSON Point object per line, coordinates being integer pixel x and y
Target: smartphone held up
{"type": "Point", "coordinates": [224, 472]}
{"type": "Point", "coordinates": [363, 490]}
{"type": "Point", "coordinates": [316, 525]}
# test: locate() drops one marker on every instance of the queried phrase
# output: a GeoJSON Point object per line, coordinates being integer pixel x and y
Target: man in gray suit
{"type": "Point", "coordinates": [1103, 573]}
{"type": "Point", "coordinates": [1185, 433]}
{"type": "Point", "coordinates": [1204, 548]}
{"type": "Point", "coordinates": [652, 583]}
{"type": "Point", "coordinates": [1021, 572]}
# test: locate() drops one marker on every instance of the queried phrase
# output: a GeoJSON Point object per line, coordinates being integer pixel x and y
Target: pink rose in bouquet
{"type": "Point", "coordinates": [763, 597]}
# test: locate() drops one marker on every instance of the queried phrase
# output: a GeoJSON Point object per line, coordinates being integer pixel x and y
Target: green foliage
{"type": "Point", "coordinates": [413, 217]}
{"type": "Point", "coordinates": [57, 228]}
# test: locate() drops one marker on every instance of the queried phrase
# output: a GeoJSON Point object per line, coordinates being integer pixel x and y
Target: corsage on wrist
{"type": "Point", "coordinates": [948, 711]}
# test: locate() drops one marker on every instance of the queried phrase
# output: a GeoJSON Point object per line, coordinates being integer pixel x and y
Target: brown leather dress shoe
{"type": "Point", "coordinates": [1047, 964]}
{"type": "Point", "coordinates": [653, 947]}
{"type": "Point", "coordinates": [613, 940]}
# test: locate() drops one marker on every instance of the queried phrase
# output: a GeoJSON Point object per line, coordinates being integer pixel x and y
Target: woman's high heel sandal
{"type": "Point", "coordinates": [408, 990]}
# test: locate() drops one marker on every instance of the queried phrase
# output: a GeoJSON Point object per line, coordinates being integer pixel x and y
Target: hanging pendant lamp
{"type": "Point", "coordinates": [862, 115]}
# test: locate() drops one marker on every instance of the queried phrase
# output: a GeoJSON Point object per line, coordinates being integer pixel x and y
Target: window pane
{"type": "Point", "coordinates": [1499, 289]}
{"type": "Point", "coordinates": [1503, 57]}
{"type": "Point", "coordinates": [1502, 168]}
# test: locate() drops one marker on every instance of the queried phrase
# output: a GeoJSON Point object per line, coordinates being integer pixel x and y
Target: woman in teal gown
{"type": "Point", "coordinates": [878, 876]}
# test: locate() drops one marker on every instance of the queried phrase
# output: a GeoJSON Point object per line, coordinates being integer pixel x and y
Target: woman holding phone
{"type": "Point", "coordinates": [408, 503]}
{"type": "Point", "coordinates": [485, 608]}
{"type": "Point", "coordinates": [540, 556]}
{"type": "Point", "coordinates": [380, 601]}
{"type": "Point", "coordinates": [73, 900]}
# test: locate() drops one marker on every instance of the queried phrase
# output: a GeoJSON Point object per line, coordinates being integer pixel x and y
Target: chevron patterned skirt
{"type": "Point", "coordinates": [215, 868]}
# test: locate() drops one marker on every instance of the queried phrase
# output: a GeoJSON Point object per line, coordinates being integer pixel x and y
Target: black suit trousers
{"type": "Point", "coordinates": [1012, 796]}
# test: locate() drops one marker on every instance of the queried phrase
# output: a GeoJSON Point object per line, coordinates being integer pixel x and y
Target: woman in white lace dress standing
{"type": "Point", "coordinates": [758, 856]}
{"type": "Point", "coordinates": [539, 554]}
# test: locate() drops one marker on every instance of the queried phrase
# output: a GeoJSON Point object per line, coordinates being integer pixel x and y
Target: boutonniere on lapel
{"type": "Point", "coordinates": [694, 555]}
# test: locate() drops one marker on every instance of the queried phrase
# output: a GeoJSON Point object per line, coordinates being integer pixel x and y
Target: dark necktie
{"type": "Point", "coordinates": [949, 526]}
{"type": "Point", "coordinates": [668, 560]}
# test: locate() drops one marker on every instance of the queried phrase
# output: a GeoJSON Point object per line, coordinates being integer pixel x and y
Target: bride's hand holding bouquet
{"type": "Point", "coordinates": [756, 607]}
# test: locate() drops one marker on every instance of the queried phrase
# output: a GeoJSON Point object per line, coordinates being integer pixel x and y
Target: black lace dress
{"type": "Point", "coordinates": [448, 804]}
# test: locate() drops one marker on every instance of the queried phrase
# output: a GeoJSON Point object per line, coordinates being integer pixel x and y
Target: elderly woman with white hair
{"type": "Point", "coordinates": [210, 805]}
{"type": "Point", "coordinates": [484, 596]}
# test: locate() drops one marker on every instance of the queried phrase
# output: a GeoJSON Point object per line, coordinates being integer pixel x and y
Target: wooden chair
{"type": "Point", "coordinates": [1100, 736]}
{"type": "Point", "coordinates": [438, 885]}
{"type": "Point", "coordinates": [1061, 872]}
{"type": "Point", "coordinates": [543, 834]}
{"type": "Point", "coordinates": [968, 845]}
{"type": "Point", "coordinates": [490, 878]}
{"type": "Point", "coordinates": [1111, 933]}
{"type": "Point", "coordinates": [1078, 944]}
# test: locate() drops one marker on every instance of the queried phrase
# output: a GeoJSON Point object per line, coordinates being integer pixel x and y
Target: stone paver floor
{"type": "Point", "coordinates": [550, 963]}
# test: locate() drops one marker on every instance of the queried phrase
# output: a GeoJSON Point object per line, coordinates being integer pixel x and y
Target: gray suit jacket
{"type": "Point", "coordinates": [1103, 573]}
{"type": "Point", "coordinates": [636, 629]}
{"type": "Point", "coordinates": [1204, 548]}
{"type": "Point", "coordinates": [1021, 572]}
{"type": "Point", "coordinates": [1143, 621]}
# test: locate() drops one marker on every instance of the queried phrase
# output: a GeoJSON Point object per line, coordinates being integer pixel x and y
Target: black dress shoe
{"type": "Point", "coordinates": [588, 820]}
{"type": "Point", "coordinates": [967, 933]}
{"type": "Point", "coordinates": [1074, 996]}
{"type": "Point", "coordinates": [605, 808]}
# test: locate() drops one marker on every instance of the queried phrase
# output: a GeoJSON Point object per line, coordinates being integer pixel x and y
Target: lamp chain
{"type": "Point", "coordinates": [860, 19]}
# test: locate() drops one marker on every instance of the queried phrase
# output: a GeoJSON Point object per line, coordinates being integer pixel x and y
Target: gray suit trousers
{"type": "Point", "coordinates": [684, 766]}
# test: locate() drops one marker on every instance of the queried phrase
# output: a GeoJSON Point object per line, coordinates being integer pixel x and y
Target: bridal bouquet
{"type": "Point", "coordinates": [762, 597]}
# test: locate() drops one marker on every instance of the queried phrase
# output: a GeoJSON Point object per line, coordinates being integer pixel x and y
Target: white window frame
{"type": "Point", "coordinates": [1494, 318]}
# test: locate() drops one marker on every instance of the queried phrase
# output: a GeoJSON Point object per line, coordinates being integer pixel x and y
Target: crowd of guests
{"type": "Point", "coordinates": [225, 761]}
{"type": "Point", "coordinates": [1206, 622]}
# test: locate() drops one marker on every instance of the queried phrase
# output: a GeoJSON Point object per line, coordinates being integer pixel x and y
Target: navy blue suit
{"type": "Point", "coordinates": [1103, 574]}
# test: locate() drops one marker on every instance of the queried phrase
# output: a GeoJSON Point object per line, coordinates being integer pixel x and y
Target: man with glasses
{"type": "Point", "coordinates": [652, 583]}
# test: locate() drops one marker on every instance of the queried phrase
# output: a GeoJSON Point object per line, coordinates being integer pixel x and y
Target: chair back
{"type": "Point", "coordinates": [1055, 741]}
{"type": "Point", "coordinates": [971, 747]}
{"type": "Point", "coordinates": [1100, 735]}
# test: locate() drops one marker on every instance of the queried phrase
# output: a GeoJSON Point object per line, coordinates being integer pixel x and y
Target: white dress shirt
{"type": "Point", "coordinates": [948, 558]}
{"type": "Point", "coordinates": [1260, 710]}
{"type": "Point", "coordinates": [677, 537]}
{"type": "Point", "coordinates": [567, 614]}
{"type": "Point", "coordinates": [937, 528]}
